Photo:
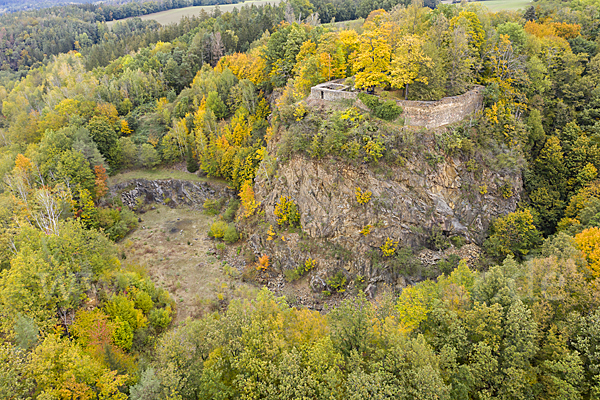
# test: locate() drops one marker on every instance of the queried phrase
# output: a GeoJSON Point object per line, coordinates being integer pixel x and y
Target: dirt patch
{"type": "Point", "coordinates": [181, 258]}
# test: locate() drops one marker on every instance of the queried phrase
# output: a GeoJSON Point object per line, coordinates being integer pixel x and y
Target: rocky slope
{"type": "Point", "coordinates": [420, 204]}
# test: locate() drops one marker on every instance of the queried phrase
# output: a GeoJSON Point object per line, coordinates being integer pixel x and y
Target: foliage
{"type": "Point", "coordinates": [231, 234]}
{"type": "Point", "coordinates": [514, 234]}
{"type": "Point", "coordinates": [337, 282]}
{"type": "Point", "coordinates": [362, 197]}
{"type": "Point", "coordinates": [286, 212]}
{"type": "Point", "coordinates": [218, 229]}
{"type": "Point", "coordinates": [389, 247]}
{"type": "Point", "coordinates": [387, 110]}
{"type": "Point", "coordinates": [249, 204]}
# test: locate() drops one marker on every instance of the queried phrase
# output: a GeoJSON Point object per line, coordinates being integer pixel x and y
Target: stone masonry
{"type": "Point", "coordinates": [430, 114]}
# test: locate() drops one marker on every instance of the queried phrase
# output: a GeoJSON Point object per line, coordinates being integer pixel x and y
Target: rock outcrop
{"type": "Point", "coordinates": [414, 205]}
{"type": "Point", "coordinates": [171, 192]}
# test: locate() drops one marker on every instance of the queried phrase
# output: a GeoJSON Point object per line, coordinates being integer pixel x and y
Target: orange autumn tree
{"type": "Point", "coordinates": [559, 29]}
{"type": "Point", "coordinates": [101, 178]}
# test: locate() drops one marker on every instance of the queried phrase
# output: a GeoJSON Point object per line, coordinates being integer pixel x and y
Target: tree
{"type": "Point", "coordinates": [105, 137]}
{"type": "Point", "coordinates": [407, 63]}
{"type": "Point", "coordinates": [514, 234]}
{"type": "Point", "coordinates": [148, 156]}
{"type": "Point", "coordinates": [588, 242]}
{"type": "Point", "coordinates": [372, 59]}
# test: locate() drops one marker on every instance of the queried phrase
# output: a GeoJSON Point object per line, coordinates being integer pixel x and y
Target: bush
{"type": "Point", "coordinates": [448, 264]}
{"type": "Point", "coordinates": [213, 207]}
{"type": "Point", "coordinates": [148, 157]}
{"type": "Point", "coordinates": [337, 282]}
{"type": "Point", "coordinates": [387, 110]}
{"type": "Point", "coordinates": [161, 317]}
{"type": "Point", "coordinates": [143, 301]}
{"type": "Point", "coordinates": [218, 229]}
{"type": "Point", "coordinates": [123, 334]}
{"type": "Point", "coordinates": [231, 210]}
{"type": "Point", "coordinates": [231, 234]}
{"type": "Point", "coordinates": [287, 212]}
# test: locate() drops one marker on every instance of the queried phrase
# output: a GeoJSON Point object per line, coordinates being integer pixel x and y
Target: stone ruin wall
{"type": "Point", "coordinates": [430, 114]}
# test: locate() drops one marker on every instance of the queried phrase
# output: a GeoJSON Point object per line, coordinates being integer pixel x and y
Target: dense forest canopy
{"type": "Point", "coordinates": [225, 93]}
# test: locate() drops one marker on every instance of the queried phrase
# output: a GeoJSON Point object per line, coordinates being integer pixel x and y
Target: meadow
{"type": "Point", "coordinates": [501, 5]}
{"type": "Point", "coordinates": [175, 15]}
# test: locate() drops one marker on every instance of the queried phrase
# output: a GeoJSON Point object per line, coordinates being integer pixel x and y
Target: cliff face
{"type": "Point", "coordinates": [410, 204]}
{"type": "Point", "coordinates": [171, 192]}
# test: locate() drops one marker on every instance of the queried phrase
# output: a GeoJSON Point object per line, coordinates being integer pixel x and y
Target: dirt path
{"type": "Point", "coordinates": [173, 245]}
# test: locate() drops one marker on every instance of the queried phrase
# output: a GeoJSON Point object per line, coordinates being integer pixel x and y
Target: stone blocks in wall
{"type": "Point", "coordinates": [430, 114]}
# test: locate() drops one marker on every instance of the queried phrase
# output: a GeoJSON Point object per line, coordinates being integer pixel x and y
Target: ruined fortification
{"type": "Point", "coordinates": [430, 114]}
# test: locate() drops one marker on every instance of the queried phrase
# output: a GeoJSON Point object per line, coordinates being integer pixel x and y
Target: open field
{"type": "Point", "coordinates": [174, 247]}
{"type": "Point", "coordinates": [175, 15]}
{"type": "Point", "coordinates": [500, 5]}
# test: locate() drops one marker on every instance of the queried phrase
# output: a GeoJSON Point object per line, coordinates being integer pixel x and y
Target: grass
{"type": "Point", "coordinates": [355, 24]}
{"type": "Point", "coordinates": [159, 173]}
{"type": "Point", "coordinates": [175, 15]}
{"type": "Point", "coordinates": [508, 5]}
{"type": "Point", "coordinates": [184, 270]}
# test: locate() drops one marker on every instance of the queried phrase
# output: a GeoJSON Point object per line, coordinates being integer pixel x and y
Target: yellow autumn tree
{"type": "Point", "coordinates": [588, 242]}
{"type": "Point", "coordinates": [407, 62]}
{"type": "Point", "coordinates": [249, 203]}
{"type": "Point", "coordinates": [372, 59]}
{"type": "Point", "coordinates": [249, 65]}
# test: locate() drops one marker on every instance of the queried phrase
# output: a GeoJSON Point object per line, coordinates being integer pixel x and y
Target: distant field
{"type": "Point", "coordinates": [354, 24]}
{"type": "Point", "coordinates": [500, 5]}
{"type": "Point", "coordinates": [171, 16]}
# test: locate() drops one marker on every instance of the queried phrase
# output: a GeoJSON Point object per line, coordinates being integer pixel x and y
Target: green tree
{"type": "Point", "coordinates": [514, 234]}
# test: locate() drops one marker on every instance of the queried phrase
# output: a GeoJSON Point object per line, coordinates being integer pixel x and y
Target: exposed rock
{"type": "Point", "coordinates": [409, 203]}
{"type": "Point", "coordinates": [171, 192]}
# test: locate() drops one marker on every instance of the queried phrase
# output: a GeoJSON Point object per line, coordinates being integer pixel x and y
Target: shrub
{"type": "Point", "coordinates": [366, 230]}
{"type": "Point", "coordinates": [213, 207]}
{"type": "Point", "coordinates": [337, 282]}
{"type": "Point", "coordinates": [148, 157]}
{"type": "Point", "coordinates": [362, 197]}
{"type": "Point", "coordinates": [229, 214]}
{"type": "Point", "coordinates": [263, 263]}
{"type": "Point", "coordinates": [437, 240]}
{"type": "Point", "coordinates": [161, 317]}
{"type": "Point", "coordinates": [448, 264]}
{"type": "Point", "coordinates": [218, 229]}
{"type": "Point", "coordinates": [123, 334]}
{"type": "Point", "coordinates": [231, 234]}
{"type": "Point", "coordinates": [143, 301]}
{"type": "Point", "coordinates": [387, 110]}
{"type": "Point", "coordinates": [458, 241]}
{"type": "Point", "coordinates": [389, 247]}
{"type": "Point", "coordinates": [506, 190]}
{"type": "Point", "coordinates": [249, 203]}
{"type": "Point", "coordinates": [287, 212]}
{"type": "Point", "coordinates": [514, 234]}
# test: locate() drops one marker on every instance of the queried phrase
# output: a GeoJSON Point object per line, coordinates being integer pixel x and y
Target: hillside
{"type": "Point", "coordinates": [274, 203]}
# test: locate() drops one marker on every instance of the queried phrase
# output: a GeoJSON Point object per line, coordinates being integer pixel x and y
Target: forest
{"type": "Point", "coordinates": [225, 94]}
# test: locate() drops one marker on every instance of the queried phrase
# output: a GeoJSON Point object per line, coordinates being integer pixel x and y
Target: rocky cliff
{"type": "Point", "coordinates": [171, 192]}
{"type": "Point", "coordinates": [418, 205]}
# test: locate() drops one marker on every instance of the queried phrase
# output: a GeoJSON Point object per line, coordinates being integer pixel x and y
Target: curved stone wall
{"type": "Point", "coordinates": [430, 114]}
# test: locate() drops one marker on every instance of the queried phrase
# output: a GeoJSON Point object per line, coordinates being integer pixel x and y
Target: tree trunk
{"type": "Point", "coordinates": [406, 92]}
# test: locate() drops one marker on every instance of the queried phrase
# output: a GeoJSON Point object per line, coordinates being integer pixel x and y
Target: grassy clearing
{"type": "Point", "coordinates": [173, 246]}
{"type": "Point", "coordinates": [174, 16]}
{"type": "Point", "coordinates": [160, 173]}
{"type": "Point", "coordinates": [508, 5]}
{"type": "Point", "coordinates": [355, 24]}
